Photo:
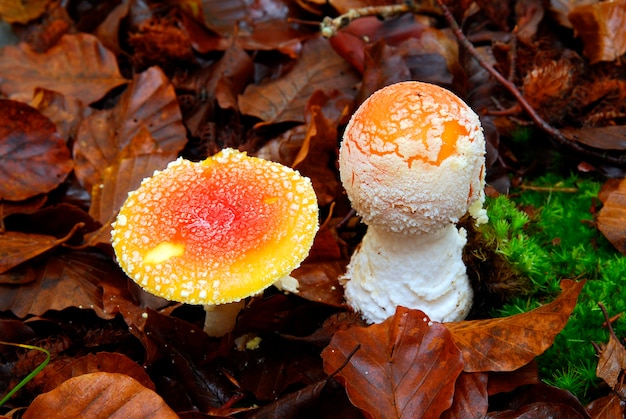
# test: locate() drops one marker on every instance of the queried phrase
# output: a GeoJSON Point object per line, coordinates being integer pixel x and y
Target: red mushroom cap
{"type": "Point", "coordinates": [216, 231]}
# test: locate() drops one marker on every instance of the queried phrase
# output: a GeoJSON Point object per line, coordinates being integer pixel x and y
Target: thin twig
{"type": "Point", "coordinates": [607, 319]}
{"type": "Point", "coordinates": [548, 189]}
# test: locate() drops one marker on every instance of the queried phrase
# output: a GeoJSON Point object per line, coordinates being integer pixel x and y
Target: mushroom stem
{"type": "Point", "coordinates": [221, 318]}
{"type": "Point", "coordinates": [423, 271]}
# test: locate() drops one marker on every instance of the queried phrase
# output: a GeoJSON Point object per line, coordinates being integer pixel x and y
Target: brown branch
{"type": "Point", "coordinates": [329, 26]}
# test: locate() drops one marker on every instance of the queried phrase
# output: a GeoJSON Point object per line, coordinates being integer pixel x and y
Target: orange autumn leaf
{"type": "Point", "coordinates": [508, 343]}
{"type": "Point", "coordinates": [405, 367]}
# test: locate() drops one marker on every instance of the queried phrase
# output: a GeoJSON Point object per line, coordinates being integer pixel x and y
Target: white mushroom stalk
{"type": "Point", "coordinates": [412, 163]}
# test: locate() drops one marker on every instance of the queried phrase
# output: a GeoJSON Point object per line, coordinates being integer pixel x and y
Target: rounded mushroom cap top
{"type": "Point", "coordinates": [216, 231]}
{"type": "Point", "coordinates": [412, 158]}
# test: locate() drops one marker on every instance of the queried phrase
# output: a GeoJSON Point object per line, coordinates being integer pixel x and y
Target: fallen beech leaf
{"type": "Point", "coordinates": [383, 65]}
{"type": "Point", "coordinates": [78, 65]}
{"type": "Point", "coordinates": [470, 396]}
{"type": "Point", "coordinates": [607, 407]}
{"type": "Point", "coordinates": [538, 410]}
{"type": "Point", "coordinates": [65, 111]}
{"type": "Point", "coordinates": [612, 361]}
{"type": "Point", "coordinates": [612, 215]}
{"type": "Point", "coordinates": [268, 25]}
{"type": "Point", "coordinates": [319, 281]}
{"type": "Point", "coordinates": [318, 155]}
{"type": "Point", "coordinates": [55, 373]}
{"type": "Point", "coordinates": [504, 382]}
{"type": "Point", "coordinates": [508, 343]}
{"type": "Point", "coordinates": [606, 138]}
{"type": "Point", "coordinates": [70, 280]}
{"type": "Point", "coordinates": [560, 9]}
{"type": "Point", "coordinates": [19, 247]}
{"type": "Point", "coordinates": [18, 11]}
{"type": "Point", "coordinates": [542, 401]}
{"type": "Point", "coordinates": [405, 367]}
{"type": "Point", "coordinates": [99, 395]}
{"type": "Point", "coordinates": [149, 102]}
{"type": "Point", "coordinates": [285, 99]}
{"type": "Point", "coordinates": [600, 27]}
{"type": "Point", "coordinates": [33, 157]}
{"type": "Point", "coordinates": [188, 351]}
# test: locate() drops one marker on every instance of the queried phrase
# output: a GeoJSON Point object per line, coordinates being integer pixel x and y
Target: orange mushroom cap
{"type": "Point", "coordinates": [216, 231]}
{"type": "Point", "coordinates": [412, 158]}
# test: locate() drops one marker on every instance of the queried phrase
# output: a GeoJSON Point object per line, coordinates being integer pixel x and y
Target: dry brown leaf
{"type": "Point", "coordinates": [612, 357]}
{"type": "Point", "coordinates": [508, 343]}
{"type": "Point", "coordinates": [78, 65]}
{"type": "Point", "coordinates": [148, 102]}
{"type": "Point", "coordinates": [72, 280]}
{"type": "Point", "coordinates": [612, 361]}
{"type": "Point", "coordinates": [19, 247]}
{"type": "Point", "coordinates": [504, 382]}
{"type": "Point", "coordinates": [319, 281]}
{"type": "Point", "coordinates": [33, 157]}
{"type": "Point", "coordinates": [55, 373]}
{"type": "Point", "coordinates": [612, 216]}
{"type": "Point", "coordinates": [470, 396]}
{"type": "Point", "coordinates": [607, 407]}
{"type": "Point", "coordinates": [284, 99]}
{"type": "Point", "coordinates": [600, 25]}
{"type": "Point", "coordinates": [561, 9]}
{"type": "Point", "coordinates": [65, 112]}
{"type": "Point", "coordinates": [605, 138]}
{"type": "Point", "coordinates": [99, 395]}
{"type": "Point", "coordinates": [267, 25]}
{"type": "Point", "coordinates": [124, 175]}
{"type": "Point", "coordinates": [405, 367]}
{"type": "Point", "coordinates": [19, 11]}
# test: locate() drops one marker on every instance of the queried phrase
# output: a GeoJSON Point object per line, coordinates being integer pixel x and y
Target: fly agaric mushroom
{"type": "Point", "coordinates": [216, 231]}
{"type": "Point", "coordinates": [412, 163]}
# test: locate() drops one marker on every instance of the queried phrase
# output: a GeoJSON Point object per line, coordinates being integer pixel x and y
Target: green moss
{"type": "Point", "coordinates": [547, 232]}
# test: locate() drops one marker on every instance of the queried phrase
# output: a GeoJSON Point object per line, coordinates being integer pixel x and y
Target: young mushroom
{"type": "Point", "coordinates": [412, 163]}
{"type": "Point", "coordinates": [216, 231]}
